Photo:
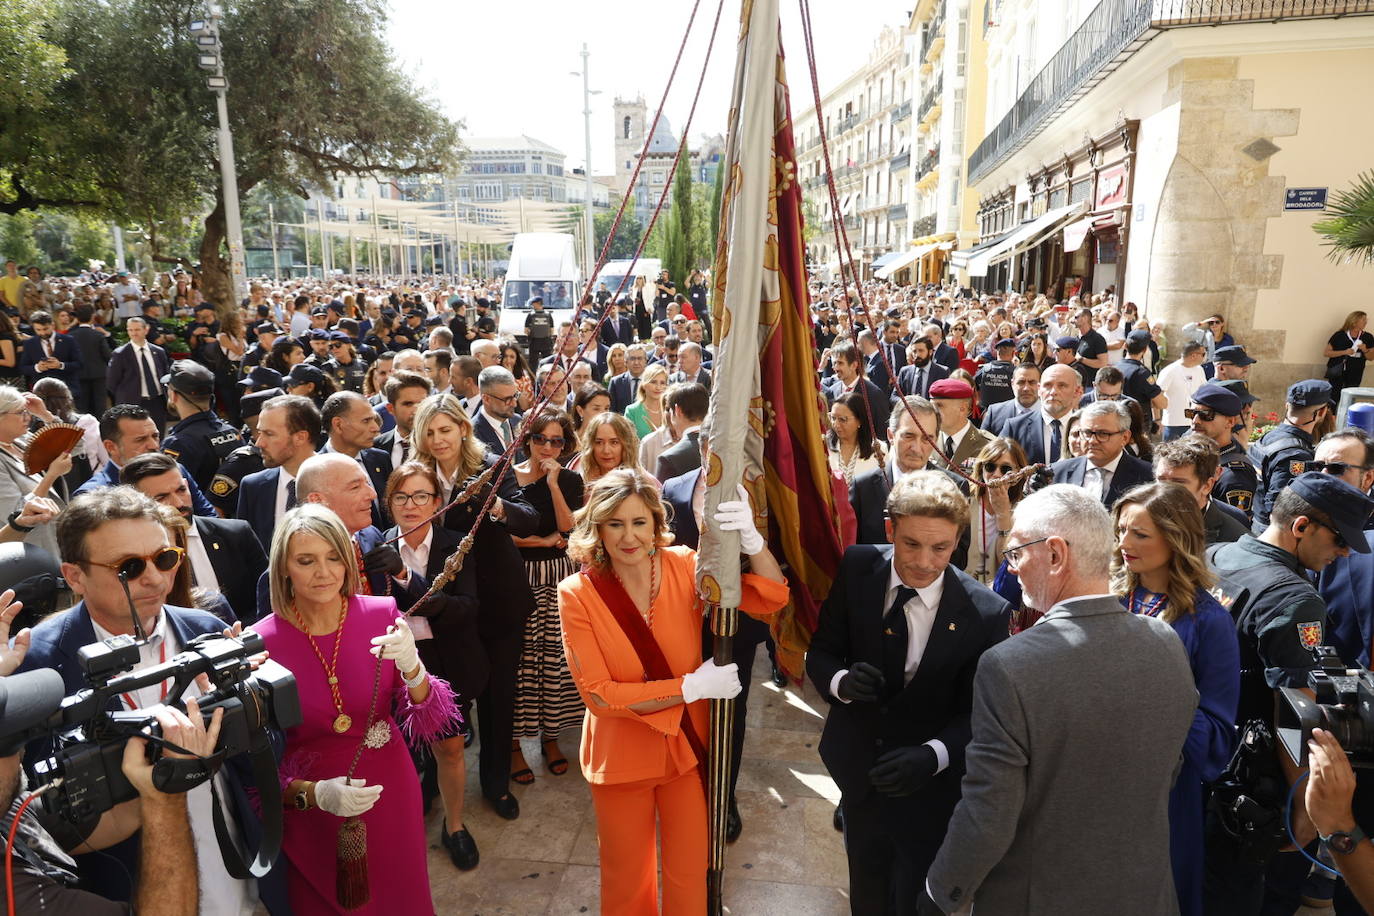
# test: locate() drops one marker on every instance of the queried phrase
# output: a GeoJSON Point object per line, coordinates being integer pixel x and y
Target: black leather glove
{"type": "Point", "coordinates": [904, 770]}
{"type": "Point", "coordinates": [926, 906]}
{"type": "Point", "coordinates": [863, 683]}
{"type": "Point", "coordinates": [383, 559]}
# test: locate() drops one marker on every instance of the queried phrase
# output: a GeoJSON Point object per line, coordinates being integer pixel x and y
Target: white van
{"type": "Point", "coordinates": [614, 272]}
{"type": "Point", "coordinates": [541, 264]}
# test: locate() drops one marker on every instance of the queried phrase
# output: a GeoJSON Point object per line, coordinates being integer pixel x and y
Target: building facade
{"type": "Point", "coordinates": [500, 169]}
{"type": "Point", "coordinates": [631, 121]}
{"type": "Point", "coordinates": [1156, 148]}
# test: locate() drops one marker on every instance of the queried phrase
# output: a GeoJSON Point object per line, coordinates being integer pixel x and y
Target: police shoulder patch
{"type": "Point", "coordinates": [170, 451]}
{"type": "Point", "coordinates": [223, 486]}
{"type": "Point", "coordinates": [1296, 467]}
{"type": "Point", "coordinates": [1310, 634]}
{"type": "Point", "coordinates": [1241, 499]}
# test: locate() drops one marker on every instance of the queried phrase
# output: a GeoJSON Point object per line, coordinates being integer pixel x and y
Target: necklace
{"type": "Point", "coordinates": [1152, 606]}
{"type": "Point", "coordinates": [648, 614]}
{"type": "Point", "coordinates": [331, 668]}
{"type": "Point", "coordinates": [847, 464]}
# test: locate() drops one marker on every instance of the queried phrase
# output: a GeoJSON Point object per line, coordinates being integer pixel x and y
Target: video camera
{"type": "Point", "coordinates": [87, 737]}
{"type": "Point", "coordinates": [1344, 706]}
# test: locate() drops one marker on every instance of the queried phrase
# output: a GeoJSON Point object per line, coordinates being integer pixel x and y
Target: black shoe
{"type": "Point", "coordinates": [734, 826]}
{"type": "Point", "coordinates": [779, 678]}
{"type": "Point", "coordinates": [507, 806]}
{"type": "Point", "coordinates": [469, 733]}
{"type": "Point", "coordinates": [838, 820]}
{"type": "Point", "coordinates": [462, 849]}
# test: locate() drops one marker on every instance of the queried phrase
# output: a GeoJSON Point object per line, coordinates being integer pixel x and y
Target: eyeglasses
{"type": "Point", "coordinates": [1336, 468]}
{"type": "Point", "coordinates": [555, 441]}
{"type": "Point", "coordinates": [1340, 538]}
{"type": "Point", "coordinates": [23, 411]}
{"type": "Point", "coordinates": [509, 399]}
{"type": "Point", "coordinates": [1099, 435]}
{"type": "Point", "coordinates": [1206, 416]}
{"type": "Point", "coordinates": [164, 560]}
{"type": "Point", "coordinates": [418, 498]}
{"type": "Point", "coordinates": [1013, 554]}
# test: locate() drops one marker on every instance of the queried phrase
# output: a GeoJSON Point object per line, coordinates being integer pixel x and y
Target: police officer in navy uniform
{"type": "Point", "coordinates": [1138, 382]}
{"type": "Point", "coordinates": [347, 376]}
{"type": "Point", "coordinates": [1280, 618]}
{"type": "Point", "coordinates": [242, 461]}
{"type": "Point", "coordinates": [1215, 413]}
{"type": "Point", "coordinates": [201, 440]}
{"type": "Point", "coordinates": [1284, 451]}
{"type": "Point", "coordinates": [993, 380]}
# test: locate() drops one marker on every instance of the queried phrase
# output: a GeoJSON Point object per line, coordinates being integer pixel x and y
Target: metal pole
{"type": "Point", "coordinates": [118, 234]}
{"type": "Point", "coordinates": [589, 225]}
{"type": "Point", "coordinates": [324, 241]}
{"type": "Point", "coordinates": [272, 226]}
{"type": "Point", "coordinates": [233, 223]}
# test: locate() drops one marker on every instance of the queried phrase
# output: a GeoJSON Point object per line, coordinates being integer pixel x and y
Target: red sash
{"type": "Point", "coordinates": [650, 654]}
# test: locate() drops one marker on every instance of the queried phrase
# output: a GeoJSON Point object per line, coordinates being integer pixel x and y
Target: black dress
{"type": "Point", "coordinates": [1346, 371]}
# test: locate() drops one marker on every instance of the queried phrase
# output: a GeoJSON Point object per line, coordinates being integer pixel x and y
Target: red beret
{"type": "Point", "coordinates": [951, 388]}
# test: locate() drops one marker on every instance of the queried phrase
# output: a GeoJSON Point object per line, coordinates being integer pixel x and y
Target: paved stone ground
{"type": "Point", "coordinates": [789, 860]}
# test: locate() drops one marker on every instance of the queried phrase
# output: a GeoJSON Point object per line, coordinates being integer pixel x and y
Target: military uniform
{"type": "Point", "coordinates": [1282, 454]}
{"type": "Point", "coordinates": [201, 442]}
{"type": "Point", "coordinates": [224, 488]}
{"type": "Point", "coordinates": [1239, 480]}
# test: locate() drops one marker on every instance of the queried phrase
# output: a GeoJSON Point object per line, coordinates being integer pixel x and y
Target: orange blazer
{"type": "Point", "coordinates": [618, 744]}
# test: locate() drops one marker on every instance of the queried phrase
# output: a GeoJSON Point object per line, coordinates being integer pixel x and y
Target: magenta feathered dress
{"type": "Point", "coordinates": [396, 848]}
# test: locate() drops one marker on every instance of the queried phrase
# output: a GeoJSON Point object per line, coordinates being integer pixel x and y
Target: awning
{"type": "Point", "coordinates": [904, 259]}
{"type": "Point", "coordinates": [960, 259]}
{"type": "Point", "coordinates": [1076, 232]}
{"type": "Point", "coordinates": [1020, 237]}
{"type": "Point", "coordinates": [884, 259]}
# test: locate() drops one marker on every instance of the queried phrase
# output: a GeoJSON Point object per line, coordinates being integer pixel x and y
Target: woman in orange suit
{"type": "Point", "coordinates": [632, 632]}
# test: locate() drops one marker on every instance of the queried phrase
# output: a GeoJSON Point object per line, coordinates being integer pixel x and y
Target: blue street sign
{"type": "Point", "coordinates": [1305, 199]}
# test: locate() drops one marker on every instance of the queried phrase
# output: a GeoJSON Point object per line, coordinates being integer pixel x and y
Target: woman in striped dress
{"type": "Point", "coordinates": [546, 700]}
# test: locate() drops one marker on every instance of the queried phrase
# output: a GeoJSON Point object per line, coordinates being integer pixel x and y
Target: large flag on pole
{"type": "Point", "coordinates": [764, 427]}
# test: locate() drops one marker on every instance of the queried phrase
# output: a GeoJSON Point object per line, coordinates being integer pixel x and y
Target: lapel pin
{"type": "Point", "coordinates": [215, 544]}
{"type": "Point", "coordinates": [888, 631]}
{"type": "Point", "coordinates": [953, 627]}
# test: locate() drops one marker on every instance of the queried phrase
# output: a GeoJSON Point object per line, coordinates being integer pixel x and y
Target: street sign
{"type": "Point", "coordinates": [1305, 199]}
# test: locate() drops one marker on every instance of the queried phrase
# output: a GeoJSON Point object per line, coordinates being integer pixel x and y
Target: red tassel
{"type": "Point", "coordinates": [350, 885]}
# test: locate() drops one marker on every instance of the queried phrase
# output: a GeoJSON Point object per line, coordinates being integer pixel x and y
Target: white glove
{"type": "Point", "coordinates": [735, 515]}
{"type": "Point", "coordinates": [346, 797]}
{"type": "Point", "coordinates": [711, 682]}
{"type": "Point", "coordinates": [398, 643]}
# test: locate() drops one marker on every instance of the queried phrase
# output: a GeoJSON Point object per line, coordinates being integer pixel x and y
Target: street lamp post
{"type": "Point", "coordinates": [210, 57]}
{"type": "Point", "coordinates": [588, 223]}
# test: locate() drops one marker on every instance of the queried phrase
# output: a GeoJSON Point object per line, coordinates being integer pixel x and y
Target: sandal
{"type": "Point", "coordinates": [556, 765]}
{"type": "Point", "coordinates": [523, 776]}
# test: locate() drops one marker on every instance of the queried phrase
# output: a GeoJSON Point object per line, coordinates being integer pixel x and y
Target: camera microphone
{"type": "Point", "coordinates": [139, 632]}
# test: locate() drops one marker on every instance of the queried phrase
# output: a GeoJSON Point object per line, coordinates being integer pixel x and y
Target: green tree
{"type": "Point", "coordinates": [313, 95]}
{"type": "Point", "coordinates": [717, 190]}
{"type": "Point", "coordinates": [17, 238]}
{"type": "Point", "coordinates": [627, 234]}
{"type": "Point", "coordinates": [676, 248]}
{"type": "Point", "coordinates": [1348, 230]}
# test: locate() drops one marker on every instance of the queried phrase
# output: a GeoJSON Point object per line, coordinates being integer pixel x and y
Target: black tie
{"type": "Point", "coordinates": [1056, 440]}
{"type": "Point", "coordinates": [149, 378]}
{"type": "Point", "coordinates": [949, 446]}
{"type": "Point", "coordinates": [290, 494]}
{"type": "Point", "coordinates": [405, 450]}
{"type": "Point", "coordinates": [920, 382]}
{"type": "Point", "coordinates": [895, 636]}
{"type": "Point", "coordinates": [634, 387]}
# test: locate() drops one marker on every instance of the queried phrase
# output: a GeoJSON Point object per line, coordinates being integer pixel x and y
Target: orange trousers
{"type": "Point", "coordinates": [629, 861]}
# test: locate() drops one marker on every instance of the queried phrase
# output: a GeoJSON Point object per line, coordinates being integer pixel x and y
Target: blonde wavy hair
{"type": "Point", "coordinates": [603, 500]}
{"type": "Point", "coordinates": [308, 518]}
{"type": "Point", "coordinates": [629, 443]}
{"type": "Point", "coordinates": [650, 373]}
{"type": "Point", "coordinates": [449, 406]}
{"type": "Point", "coordinates": [1174, 512]}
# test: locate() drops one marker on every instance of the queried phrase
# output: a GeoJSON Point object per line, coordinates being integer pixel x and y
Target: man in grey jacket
{"type": "Point", "coordinates": [1078, 726]}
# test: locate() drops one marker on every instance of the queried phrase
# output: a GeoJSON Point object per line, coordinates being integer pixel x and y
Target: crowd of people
{"type": "Point", "coordinates": [1076, 573]}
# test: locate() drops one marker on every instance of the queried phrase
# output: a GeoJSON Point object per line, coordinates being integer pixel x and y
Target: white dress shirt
{"type": "Point", "coordinates": [498, 425]}
{"type": "Point", "coordinates": [920, 618]}
{"type": "Point", "coordinates": [417, 558]}
{"type": "Point", "coordinates": [220, 894]}
{"type": "Point", "coordinates": [1046, 431]}
{"type": "Point", "coordinates": [1097, 480]}
{"type": "Point", "coordinates": [958, 438]}
{"type": "Point", "coordinates": [202, 570]}
{"type": "Point", "coordinates": [282, 480]}
{"type": "Point", "coordinates": [141, 353]}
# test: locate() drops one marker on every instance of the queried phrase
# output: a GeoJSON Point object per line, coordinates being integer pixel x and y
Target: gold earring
{"type": "Point", "coordinates": [599, 555]}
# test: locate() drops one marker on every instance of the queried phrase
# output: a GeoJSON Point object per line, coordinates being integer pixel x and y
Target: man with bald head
{"type": "Point", "coordinates": [487, 352]}
{"type": "Point", "coordinates": [1041, 432]}
{"type": "Point", "coordinates": [339, 483]}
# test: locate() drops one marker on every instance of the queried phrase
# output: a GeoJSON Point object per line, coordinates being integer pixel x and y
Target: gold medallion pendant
{"type": "Point", "coordinates": [342, 723]}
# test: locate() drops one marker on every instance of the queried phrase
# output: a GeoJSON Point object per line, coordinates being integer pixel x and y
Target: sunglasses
{"type": "Point", "coordinates": [555, 441]}
{"type": "Point", "coordinates": [165, 560]}
{"type": "Point", "coordinates": [1206, 416]}
{"type": "Point", "coordinates": [1340, 539]}
{"type": "Point", "coordinates": [1336, 468]}
{"type": "Point", "coordinates": [1001, 469]}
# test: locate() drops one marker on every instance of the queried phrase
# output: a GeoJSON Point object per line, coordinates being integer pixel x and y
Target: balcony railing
{"type": "Point", "coordinates": [896, 213]}
{"type": "Point", "coordinates": [1113, 31]}
{"type": "Point", "coordinates": [927, 162]}
{"type": "Point", "coordinates": [845, 124]}
{"type": "Point", "coordinates": [933, 29]}
{"type": "Point", "coordinates": [930, 99]}
{"type": "Point", "coordinates": [901, 112]}
{"type": "Point", "coordinates": [923, 226]}
{"type": "Point", "coordinates": [851, 222]}
{"type": "Point", "coordinates": [899, 162]}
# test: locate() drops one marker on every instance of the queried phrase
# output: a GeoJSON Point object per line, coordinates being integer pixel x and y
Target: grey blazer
{"type": "Point", "coordinates": [1078, 727]}
{"type": "Point", "coordinates": [14, 486]}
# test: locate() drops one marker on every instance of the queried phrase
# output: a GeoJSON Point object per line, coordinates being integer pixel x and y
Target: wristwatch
{"type": "Point", "coordinates": [301, 800]}
{"type": "Point", "coordinates": [1345, 843]}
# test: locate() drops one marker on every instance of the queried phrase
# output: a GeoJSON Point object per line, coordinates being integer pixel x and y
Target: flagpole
{"type": "Point", "coordinates": [724, 625]}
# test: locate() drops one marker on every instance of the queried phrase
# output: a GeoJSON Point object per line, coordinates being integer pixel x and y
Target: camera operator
{"type": "Point", "coordinates": [101, 535]}
{"type": "Point", "coordinates": [43, 872]}
{"type": "Point", "coordinates": [1329, 796]}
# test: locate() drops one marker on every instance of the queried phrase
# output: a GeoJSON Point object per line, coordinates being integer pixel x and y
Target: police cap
{"type": "Point", "coordinates": [190, 378]}
{"type": "Point", "coordinates": [1224, 402]}
{"type": "Point", "coordinates": [1312, 392]}
{"type": "Point", "coordinates": [1347, 507]}
{"type": "Point", "coordinates": [1235, 355]}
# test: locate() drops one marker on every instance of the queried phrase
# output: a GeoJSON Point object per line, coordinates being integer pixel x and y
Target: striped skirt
{"type": "Point", "coordinates": [546, 700]}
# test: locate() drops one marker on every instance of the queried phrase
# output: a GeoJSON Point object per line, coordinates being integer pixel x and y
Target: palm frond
{"type": "Point", "coordinates": [1348, 230]}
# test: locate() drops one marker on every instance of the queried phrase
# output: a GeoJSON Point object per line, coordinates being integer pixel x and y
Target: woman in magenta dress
{"type": "Point", "coordinates": [333, 640]}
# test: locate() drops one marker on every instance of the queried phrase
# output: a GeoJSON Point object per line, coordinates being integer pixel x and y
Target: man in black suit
{"type": "Point", "coordinates": [874, 367]}
{"type": "Point", "coordinates": [225, 555]}
{"type": "Point", "coordinates": [350, 428]}
{"type": "Point", "coordinates": [892, 344]}
{"type": "Point", "coordinates": [134, 375]}
{"type": "Point", "coordinates": [403, 392]}
{"type": "Point", "coordinates": [894, 654]}
{"type": "Point", "coordinates": [690, 367]}
{"type": "Point", "coordinates": [1041, 432]}
{"type": "Point", "coordinates": [617, 328]}
{"type": "Point", "coordinates": [49, 355]}
{"type": "Point", "coordinates": [908, 451]}
{"type": "Point", "coordinates": [1105, 469]}
{"type": "Point", "coordinates": [941, 352]}
{"type": "Point", "coordinates": [94, 346]}
{"type": "Point", "coordinates": [684, 407]}
{"type": "Point", "coordinates": [921, 371]}
{"type": "Point", "coordinates": [625, 386]}
{"type": "Point", "coordinates": [497, 422]}
{"type": "Point", "coordinates": [1025, 386]}
{"type": "Point", "coordinates": [848, 365]}
{"type": "Point", "coordinates": [596, 351]}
